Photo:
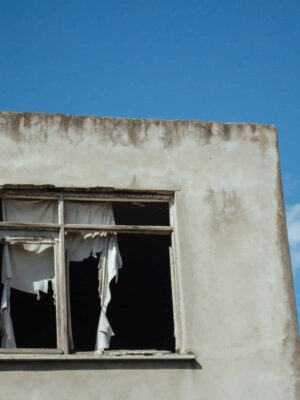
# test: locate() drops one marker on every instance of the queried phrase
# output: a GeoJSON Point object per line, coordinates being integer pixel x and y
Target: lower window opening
{"type": "Point", "coordinates": [140, 311]}
{"type": "Point", "coordinates": [33, 320]}
{"type": "Point", "coordinates": [85, 303]}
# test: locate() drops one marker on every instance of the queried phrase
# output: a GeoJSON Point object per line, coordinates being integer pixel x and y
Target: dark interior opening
{"type": "Point", "coordinates": [34, 321]}
{"type": "Point", "coordinates": [141, 213]}
{"type": "Point", "coordinates": [85, 303]}
{"type": "Point", "coordinates": [141, 311]}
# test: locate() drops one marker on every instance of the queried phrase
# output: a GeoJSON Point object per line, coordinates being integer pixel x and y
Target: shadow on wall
{"type": "Point", "coordinates": [96, 365]}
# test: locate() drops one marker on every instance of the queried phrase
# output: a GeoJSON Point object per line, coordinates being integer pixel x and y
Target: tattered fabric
{"type": "Point", "coordinates": [22, 266]}
{"type": "Point", "coordinates": [93, 244]}
{"type": "Point", "coordinates": [30, 266]}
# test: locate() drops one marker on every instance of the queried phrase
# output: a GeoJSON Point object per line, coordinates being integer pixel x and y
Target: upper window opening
{"type": "Point", "coordinates": [29, 211]}
{"type": "Point", "coordinates": [141, 213]}
{"type": "Point", "coordinates": [88, 213]}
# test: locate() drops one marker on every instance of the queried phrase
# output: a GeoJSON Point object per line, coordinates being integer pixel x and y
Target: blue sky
{"type": "Point", "coordinates": [206, 59]}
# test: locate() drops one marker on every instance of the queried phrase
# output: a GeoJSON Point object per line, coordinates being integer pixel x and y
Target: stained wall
{"type": "Point", "coordinates": [236, 292]}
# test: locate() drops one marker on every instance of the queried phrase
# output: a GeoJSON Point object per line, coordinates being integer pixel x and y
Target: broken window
{"type": "Point", "coordinates": [86, 273]}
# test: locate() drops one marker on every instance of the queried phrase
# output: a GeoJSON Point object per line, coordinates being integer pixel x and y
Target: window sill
{"type": "Point", "coordinates": [98, 357]}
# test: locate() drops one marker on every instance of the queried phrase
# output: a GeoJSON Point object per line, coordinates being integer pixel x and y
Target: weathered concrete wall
{"type": "Point", "coordinates": [234, 262]}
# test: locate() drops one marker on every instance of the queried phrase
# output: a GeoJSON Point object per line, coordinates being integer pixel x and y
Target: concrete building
{"type": "Point", "coordinates": [200, 221]}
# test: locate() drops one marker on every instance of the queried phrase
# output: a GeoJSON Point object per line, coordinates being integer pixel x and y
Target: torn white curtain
{"type": "Point", "coordinates": [29, 267]}
{"type": "Point", "coordinates": [23, 269]}
{"type": "Point", "coordinates": [110, 262]}
{"type": "Point", "coordinates": [24, 266]}
{"type": "Point", "coordinates": [26, 263]}
{"type": "Point", "coordinates": [94, 243]}
{"type": "Point", "coordinates": [35, 211]}
{"type": "Point", "coordinates": [89, 213]}
{"type": "Point", "coordinates": [7, 331]}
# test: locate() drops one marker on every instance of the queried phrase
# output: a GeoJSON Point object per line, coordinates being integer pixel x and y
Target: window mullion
{"type": "Point", "coordinates": [61, 302]}
{"type": "Point", "coordinates": [174, 269]}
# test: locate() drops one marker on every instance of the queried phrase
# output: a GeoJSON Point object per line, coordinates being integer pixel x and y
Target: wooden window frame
{"type": "Point", "coordinates": [55, 233]}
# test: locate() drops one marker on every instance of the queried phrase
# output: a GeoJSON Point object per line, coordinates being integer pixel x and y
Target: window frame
{"type": "Point", "coordinates": [42, 232]}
